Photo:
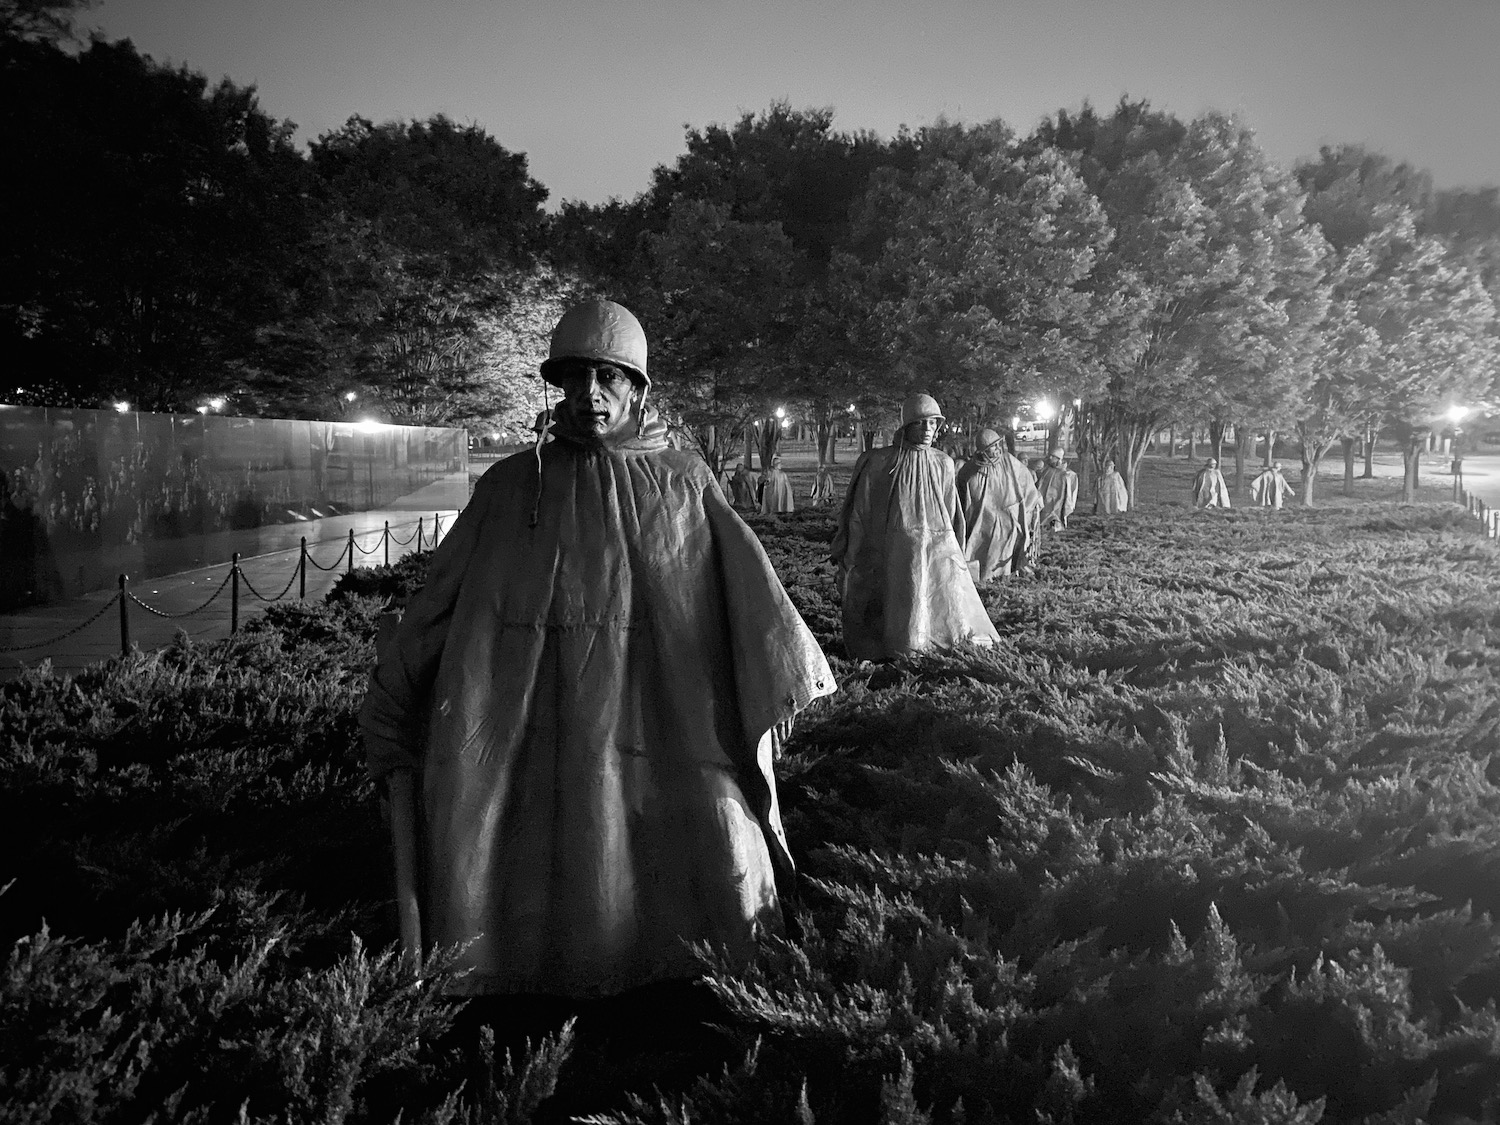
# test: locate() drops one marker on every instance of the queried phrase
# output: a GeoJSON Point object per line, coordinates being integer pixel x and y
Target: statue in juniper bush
{"type": "Point", "coordinates": [743, 486]}
{"type": "Point", "coordinates": [899, 548]}
{"type": "Point", "coordinates": [580, 708]}
{"type": "Point", "coordinates": [776, 490]}
{"type": "Point", "coordinates": [1270, 489]}
{"type": "Point", "coordinates": [1058, 485]}
{"type": "Point", "coordinates": [1209, 487]}
{"type": "Point", "coordinates": [1001, 509]}
{"type": "Point", "coordinates": [1113, 499]}
{"type": "Point", "coordinates": [822, 490]}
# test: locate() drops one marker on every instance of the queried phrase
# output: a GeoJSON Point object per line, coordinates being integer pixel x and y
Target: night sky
{"type": "Point", "coordinates": [597, 93]}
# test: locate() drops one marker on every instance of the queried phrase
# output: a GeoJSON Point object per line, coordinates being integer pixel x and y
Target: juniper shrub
{"type": "Point", "coordinates": [1210, 837]}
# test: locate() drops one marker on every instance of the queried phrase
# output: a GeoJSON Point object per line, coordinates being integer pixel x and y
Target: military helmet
{"type": "Point", "coordinates": [918, 406]}
{"type": "Point", "coordinates": [601, 331]}
{"type": "Point", "coordinates": [987, 438]}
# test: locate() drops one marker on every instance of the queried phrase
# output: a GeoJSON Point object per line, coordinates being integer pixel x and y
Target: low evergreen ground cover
{"type": "Point", "coordinates": [1211, 837]}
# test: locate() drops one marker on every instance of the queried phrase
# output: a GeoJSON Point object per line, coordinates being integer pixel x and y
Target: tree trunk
{"type": "Point", "coordinates": [1370, 434]}
{"type": "Point", "coordinates": [1244, 449]}
{"type": "Point", "coordinates": [1309, 475]}
{"type": "Point", "coordinates": [1171, 441]}
{"type": "Point", "coordinates": [1192, 445]}
{"type": "Point", "coordinates": [1216, 439]}
{"type": "Point", "coordinates": [750, 447]}
{"type": "Point", "coordinates": [825, 438]}
{"type": "Point", "coordinates": [1411, 461]}
{"type": "Point", "coordinates": [1348, 443]}
{"type": "Point", "coordinates": [1412, 440]}
{"type": "Point", "coordinates": [1270, 447]}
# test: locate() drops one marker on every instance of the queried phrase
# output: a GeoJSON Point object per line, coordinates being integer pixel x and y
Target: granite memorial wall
{"type": "Point", "coordinates": [88, 494]}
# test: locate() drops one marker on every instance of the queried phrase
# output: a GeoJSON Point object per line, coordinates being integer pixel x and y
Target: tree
{"type": "Point", "coordinates": [42, 21]}
{"type": "Point", "coordinates": [722, 323]}
{"type": "Point", "coordinates": [153, 221]}
{"type": "Point", "coordinates": [1221, 270]}
{"type": "Point", "coordinates": [982, 278]}
{"type": "Point", "coordinates": [439, 227]}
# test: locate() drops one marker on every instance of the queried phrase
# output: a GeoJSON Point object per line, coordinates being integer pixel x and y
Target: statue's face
{"type": "Point", "coordinates": [598, 395]}
{"type": "Point", "coordinates": [921, 432]}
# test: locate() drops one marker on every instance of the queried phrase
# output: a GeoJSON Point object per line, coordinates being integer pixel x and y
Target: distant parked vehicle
{"type": "Point", "coordinates": [1032, 431]}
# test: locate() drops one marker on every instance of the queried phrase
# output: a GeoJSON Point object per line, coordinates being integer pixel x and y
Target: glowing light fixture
{"type": "Point", "coordinates": [350, 396]}
{"type": "Point", "coordinates": [121, 406]}
{"type": "Point", "coordinates": [1044, 411]}
{"type": "Point", "coordinates": [368, 425]}
{"type": "Point", "coordinates": [1457, 414]}
{"type": "Point", "coordinates": [216, 403]}
{"type": "Point", "coordinates": [202, 409]}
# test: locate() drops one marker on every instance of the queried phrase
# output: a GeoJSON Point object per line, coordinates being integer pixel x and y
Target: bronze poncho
{"type": "Point", "coordinates": [776, 493]}
{"type": "Point", "coordinates": [905, 581]}
{"type": "Point", "coordinates": [1113, 498]}
{"type": "Point", "coordinates": [589, 702]}
{"type": "Point", "coordinates": [1209, 489]}
{"type": "Point", "coordinates": [1000, 505]}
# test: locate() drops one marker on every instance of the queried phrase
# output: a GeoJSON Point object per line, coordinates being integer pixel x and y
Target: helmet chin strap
{"type": "Point", "coordinates": [541, 437]}
{"type": "Point", "coordinates": [641, 425]}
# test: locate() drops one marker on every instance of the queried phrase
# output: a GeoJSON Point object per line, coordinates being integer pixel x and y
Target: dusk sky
{"type": "Point", "coordinates": [597, 93]}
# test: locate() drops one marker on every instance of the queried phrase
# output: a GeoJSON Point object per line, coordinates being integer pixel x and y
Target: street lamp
{"type": "Point", "coordinates": [1044, 411]}
{"type": "Point", "coordinates": [216, 403]}
{"type": "Point", "coordinates": [350, 396]}
{"type": "Point", "coordinates": [121, 406]}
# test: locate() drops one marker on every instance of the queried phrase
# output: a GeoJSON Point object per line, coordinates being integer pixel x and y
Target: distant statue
{"type": "Point", "coordinates": [1001, 507]}
{"type": "Point", "coordinates": [742, 484]}
{"type": "Point", "coordinates": [1209, 487]}
{"type": "Point", "coordinates": [1270, 489]}
{"type": "Point", "coordinates": [1058, 485]}
{"type": "Point", "coordinates": [899, 550]}
{"type": "Point", "coordinates": [822, 490]}
{"type": "Point", "coordinates": [776, 490]}
{"type": "Point", "coordinates": [1113, 499]}
{"type": "Point", "coordinates": [577, 714]}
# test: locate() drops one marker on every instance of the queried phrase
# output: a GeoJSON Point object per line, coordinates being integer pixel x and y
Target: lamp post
{"type": "Point", "coordinates": [1456, 415]}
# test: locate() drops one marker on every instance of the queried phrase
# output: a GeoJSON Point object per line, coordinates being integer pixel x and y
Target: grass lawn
{"type": "Point", "coordinates": [1211, 837]}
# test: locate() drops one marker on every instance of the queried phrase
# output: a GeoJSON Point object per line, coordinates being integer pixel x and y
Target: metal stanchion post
{"type": "Point", "coordinates": [419, 534]}
{"type": "Point", "coordinates": [437, 528]}
{"type": "Point", "coordinates": [386, 539]}
{"type": "Point", "coordinates": [234, 593]}
{"type": "Point", "coordinates": [124, 618]}
{"type": "Point", "coordinates": [302, 570]}
{"type": "Point", "coordinates": [348, 569]}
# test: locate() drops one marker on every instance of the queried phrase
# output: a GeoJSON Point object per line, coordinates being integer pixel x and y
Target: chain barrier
{"type": "Point", "coordinates": [245, 578]}
{"type": "Point", "coordinates": [335, 564]}
{"type": "Point", "coordinates": [129, 596]}
{"type": "Point", "coordinates": [1487, 515]}
{"type": "Point", "coordinates": [189, 613]}
{"type": "Point", "coordinates": [80, 627]}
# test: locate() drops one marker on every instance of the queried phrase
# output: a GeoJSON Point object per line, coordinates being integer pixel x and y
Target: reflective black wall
{"type": "Point", "coordinates": [85, 494]}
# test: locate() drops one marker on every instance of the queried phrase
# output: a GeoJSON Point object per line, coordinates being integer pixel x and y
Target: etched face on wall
{"type": "Point", "coordinates": [598, 395]}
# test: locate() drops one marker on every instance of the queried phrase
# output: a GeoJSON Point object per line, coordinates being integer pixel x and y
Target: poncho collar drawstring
{"type": "Point", "coordinates": [650, 433]}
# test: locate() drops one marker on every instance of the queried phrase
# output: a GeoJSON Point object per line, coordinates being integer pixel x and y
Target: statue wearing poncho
{"type": "Point", "coordinates": [1209, 488]}
{"type": "Point", "coordinates": [1110, 491]}
{"type": "Point", "coordinates": [1058, 486]}
{"type": "Point", "coordinates": [587, 687]}
{"type": "Point", "coordinates": [1001, 507]}
{"type": "Point", "coordinates": [905, 581]}
{"type": "Point", "coordinates": [776, 491]}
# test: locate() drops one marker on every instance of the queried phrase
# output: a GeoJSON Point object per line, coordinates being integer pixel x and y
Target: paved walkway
{"type": "Point", "coordinates": [269, 565]}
